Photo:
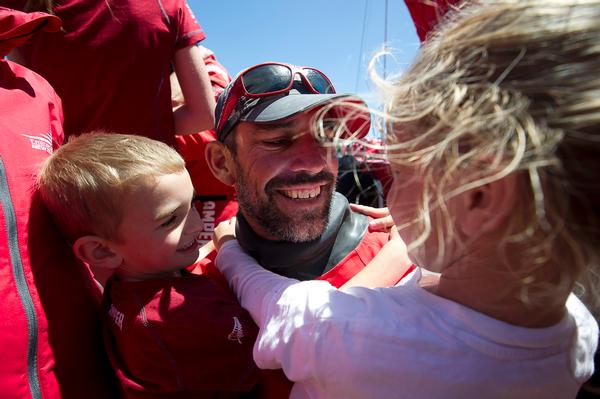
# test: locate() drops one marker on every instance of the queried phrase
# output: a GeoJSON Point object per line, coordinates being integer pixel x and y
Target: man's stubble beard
{"type": "Point", "coordinates": [302, 226]}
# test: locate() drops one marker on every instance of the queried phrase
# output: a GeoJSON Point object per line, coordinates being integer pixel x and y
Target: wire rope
{"type": "Point", "coordinates": [362, 44]}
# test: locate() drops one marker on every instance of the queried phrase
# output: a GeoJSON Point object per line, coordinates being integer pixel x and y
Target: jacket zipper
{"type": "Point", "coordinates": [22, 288]}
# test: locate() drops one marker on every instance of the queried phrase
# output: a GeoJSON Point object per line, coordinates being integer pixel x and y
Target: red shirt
{"type": "Point", "coordinates": [216, 201]}
{"type": "Point", "coordinates": [180, 337]}
{"type": "Point", "coordinates": [427, 14]}
{"type": "Point", "coordinates": [111, 64]}
{"type": "Point", "coordinates": [51, 346]}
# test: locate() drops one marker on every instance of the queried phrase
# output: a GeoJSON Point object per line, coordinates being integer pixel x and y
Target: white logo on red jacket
{"type": "Point", "coordinates": [208, 221]}
{"type": "Point", "coordinates": [237, 333]}
{"type": "Point", "coordinates": [42, 142]}
{"type": "Point", "coordinates": [117, 316]}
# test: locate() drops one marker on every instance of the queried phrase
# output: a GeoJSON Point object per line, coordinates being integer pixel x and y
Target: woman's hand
{"type": "Point", "coordinates": [382, 220]}
{"type": "Point", "coordinates": [225, 231]}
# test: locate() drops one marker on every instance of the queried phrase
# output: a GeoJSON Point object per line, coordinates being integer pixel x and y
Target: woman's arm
{"type": "Point", "coordinates": [387, 267]}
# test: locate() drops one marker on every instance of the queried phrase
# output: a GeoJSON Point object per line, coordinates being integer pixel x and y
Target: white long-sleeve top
{"type": "Point", "coordinates": [403, 341]}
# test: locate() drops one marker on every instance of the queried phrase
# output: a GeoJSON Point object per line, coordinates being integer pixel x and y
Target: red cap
{"type": "Point", "coordinates": [16, 27]}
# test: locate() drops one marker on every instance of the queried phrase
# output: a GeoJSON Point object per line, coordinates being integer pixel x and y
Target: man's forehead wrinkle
{"type": "Point", "coordinates": [293, 129]}
{"type": "Point", "coordinates": [268, 127]}
{"type": "Point", "coordinates": [290, 133]}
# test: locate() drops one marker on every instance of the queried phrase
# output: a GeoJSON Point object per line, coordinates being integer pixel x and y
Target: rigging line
{"type": "Point", "coordinates": [385, 39]}
{"type": "Point", "coordinates": [362, 43]}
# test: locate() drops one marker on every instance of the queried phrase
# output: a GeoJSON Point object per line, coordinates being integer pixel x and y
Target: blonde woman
{"type": "Point", "coordinates": [494, 143]}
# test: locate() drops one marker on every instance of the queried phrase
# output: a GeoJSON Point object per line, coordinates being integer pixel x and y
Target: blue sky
{"type": "Point", "coordinates": [325, 34]}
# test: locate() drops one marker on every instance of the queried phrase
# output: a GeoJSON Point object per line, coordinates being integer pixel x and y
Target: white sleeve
{"type": "Point", "coordinates": [288, 312]}
{"type": "Point", "coordinates": [254, 286]}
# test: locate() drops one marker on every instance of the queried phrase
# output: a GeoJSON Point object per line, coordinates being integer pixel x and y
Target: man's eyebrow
{"type": "Point", "coordinates": [267, 127]}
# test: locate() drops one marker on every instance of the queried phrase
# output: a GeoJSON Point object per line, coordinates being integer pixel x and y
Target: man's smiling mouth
{"type": "Point", "coordinates": [302, 187]}
{"type": "Point", "coordinates": [302, 193]}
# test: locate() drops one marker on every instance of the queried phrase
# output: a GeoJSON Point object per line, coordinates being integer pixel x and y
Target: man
{"type": "Point", "coordinates": [275, 126]}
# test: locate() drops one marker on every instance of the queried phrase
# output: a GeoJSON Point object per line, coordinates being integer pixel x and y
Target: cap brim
{"type": "Point", "coordinates": [280, 108]}
{"type": "Point", "coordinates": [276, 109]}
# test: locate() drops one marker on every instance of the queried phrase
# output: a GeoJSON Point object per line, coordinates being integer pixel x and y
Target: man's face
{"type": "Point", "coordinates": [285, 179]}
{"type": "Point", "coordinates": [160, 228]}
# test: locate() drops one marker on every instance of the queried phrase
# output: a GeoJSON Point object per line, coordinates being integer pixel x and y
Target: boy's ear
{"type": "Point", "coordinates": [219, 160]}
{"type": "Point", "coordinates": [486, 209]}
{"type": "Point", "coordinates": [96, 252]}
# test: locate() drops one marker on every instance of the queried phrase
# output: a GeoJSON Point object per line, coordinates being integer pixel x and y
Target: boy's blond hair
{"type": "Point", "coordinates": [86, 181]}
{"type": "Point", "coordinates": [510, 86]}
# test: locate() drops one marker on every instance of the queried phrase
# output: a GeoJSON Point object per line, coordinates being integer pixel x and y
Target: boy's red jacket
{"type": "Point", "coordinates": [50, 330]}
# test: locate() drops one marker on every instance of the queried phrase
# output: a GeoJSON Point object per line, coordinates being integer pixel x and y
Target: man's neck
{"type": "Point", "coordinates": [306, 260]}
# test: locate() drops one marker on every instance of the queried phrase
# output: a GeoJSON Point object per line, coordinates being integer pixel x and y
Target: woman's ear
{"type": "Point", "coordinates": [97, 252]}
{"type": "Point", "coordinates": [220, 162]}
{"type": "Point", "coordinates": [485, 209]}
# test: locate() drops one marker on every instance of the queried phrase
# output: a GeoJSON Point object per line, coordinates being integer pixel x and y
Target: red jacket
{"type": "Point", "coordinates": [50, 330]}
{"type": "Point", "coordinates": [427, 14]}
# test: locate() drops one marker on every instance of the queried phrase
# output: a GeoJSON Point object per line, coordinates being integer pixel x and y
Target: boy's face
{"type": "Point", "coordinates": [160, 228]}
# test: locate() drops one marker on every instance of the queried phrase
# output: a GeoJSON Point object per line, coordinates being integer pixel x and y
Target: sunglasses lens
{"type": "Point", "coordinates": [266, 79]}
{"type": "Point", "coordinates": [318, 81]}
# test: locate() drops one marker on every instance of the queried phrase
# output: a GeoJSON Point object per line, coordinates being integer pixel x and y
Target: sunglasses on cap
{"type": "Point", "coordinates": [264, 80]}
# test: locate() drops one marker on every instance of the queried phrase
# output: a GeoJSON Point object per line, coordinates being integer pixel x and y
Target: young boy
{"type": "Point", "coordinates": [125, 203]}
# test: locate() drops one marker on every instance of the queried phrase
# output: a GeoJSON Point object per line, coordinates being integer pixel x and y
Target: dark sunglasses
{"type": "Point", "coordinates": [269, 79]}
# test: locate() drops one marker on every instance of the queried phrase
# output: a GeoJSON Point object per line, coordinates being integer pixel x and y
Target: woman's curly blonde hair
{"type": "Point", "coordinates": [503, 87]}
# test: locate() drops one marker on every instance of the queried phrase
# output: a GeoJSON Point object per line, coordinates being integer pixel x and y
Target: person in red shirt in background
{"type": "Point", "coordinates": [365, 175]}
{"type": "Point", "coordinates": [111, 63]}
{"type": "Point", "coordinates": [50, 331]}
{"type": "Point", "coordinates": [216, 201]}
{"type": "Point", "coordinates": [427, 14]}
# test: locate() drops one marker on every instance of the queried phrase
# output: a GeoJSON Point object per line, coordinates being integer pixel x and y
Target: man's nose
{"type": "Point", "coordinates": [309, 155]}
